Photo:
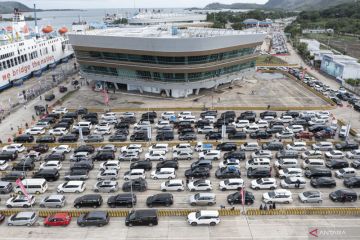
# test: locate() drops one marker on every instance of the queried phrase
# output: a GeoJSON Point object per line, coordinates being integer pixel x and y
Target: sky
{"type": "Point", "coordinates": [51, 4]}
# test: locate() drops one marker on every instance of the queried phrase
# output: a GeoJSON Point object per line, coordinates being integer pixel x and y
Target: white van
{"type": "Point", "coordinates": [311, 163]}
{"type": "Point", "coordinates": [257, 163]}
{"type": "Point", "coordinates": [286, 163]}
{"type": "Point", "coordinates": [33, 185]}
{"type": "Point", "coordinates": [323, 146]}
{"type": "Point", "coordinates": [82, 125]}
{"type": "Point", "coordinates": [159, 146]}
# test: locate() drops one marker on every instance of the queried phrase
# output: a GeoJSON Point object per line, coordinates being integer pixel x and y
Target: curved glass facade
{"type": "Point", "coordinates": [164, 59]}
{"type": "Point", "coordinates": [166, 77]}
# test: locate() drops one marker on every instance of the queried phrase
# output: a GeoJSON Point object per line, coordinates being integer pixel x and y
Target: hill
{"type": "Point", "coordinates": [8, 7]}
{"type": "Point", "coordinates": [290, 5]}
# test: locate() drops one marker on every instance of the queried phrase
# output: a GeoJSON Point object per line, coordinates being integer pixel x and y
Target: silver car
{"type": "Point", "coordinates": [106, 186]}
{"type": "Point", "coordinates": [22, 219]}
{"type": "Point", "coordinates": [208, 199]}
{"type": "Point", "coordinates": [53, 201]}
{"type": "Point", "coordinates": [310, 197]}
{"type": "Point", "coordinates": [108, 174]}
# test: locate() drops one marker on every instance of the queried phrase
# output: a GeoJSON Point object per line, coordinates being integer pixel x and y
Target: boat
{"type": "Point", "coordinates": [25, 53]}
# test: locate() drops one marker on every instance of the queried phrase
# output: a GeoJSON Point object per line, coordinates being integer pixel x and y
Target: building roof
{"type": "Point", "coordinates": [150, 17]}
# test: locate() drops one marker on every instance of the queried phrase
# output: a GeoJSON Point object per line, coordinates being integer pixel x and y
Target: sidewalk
{"type": "Point", "coordinates": [9, 126]}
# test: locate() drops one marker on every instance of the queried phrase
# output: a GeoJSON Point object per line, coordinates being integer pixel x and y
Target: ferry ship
{"type": "Point", "coordinates": [24, 54]}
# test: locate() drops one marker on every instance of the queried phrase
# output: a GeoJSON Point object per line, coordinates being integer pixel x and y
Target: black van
{"type": "Point", "coordinates": [122, 200]}
{"type": "Point", "coordinates": [142, 218]}
{"type": "Point", "coordinates": [318, 172]}
{"type": "Point", "coordinates": [343, 195]}
{"type": "Point", "coordinates": [49, 175]}
{"type": "Point", "coordinates": [24, 165]}
{"type": "Point", "coordinates": [8, 156]}
{"type": "Point", "coordinates": [89, 200]}
{"type": "Point", "coordinates": [165, 136]}
{"type": "Point", "coordinates": [25, 138]}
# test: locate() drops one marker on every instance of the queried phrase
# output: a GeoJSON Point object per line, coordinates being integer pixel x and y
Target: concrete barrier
{"type": "Point", "coordinates": [306, 211]}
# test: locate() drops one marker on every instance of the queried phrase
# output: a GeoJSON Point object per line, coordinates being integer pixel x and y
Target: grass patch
{"type": "Point", "coordinates": [268, 59]}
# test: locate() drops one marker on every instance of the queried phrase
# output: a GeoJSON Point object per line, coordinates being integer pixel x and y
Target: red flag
{"type": "Point", "coordinates": [22, 187]}
{"type": "Point", "coordinates": [106, 97]}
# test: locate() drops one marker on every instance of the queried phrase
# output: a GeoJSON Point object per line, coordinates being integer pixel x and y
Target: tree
{"type": "Point", "coordinates": [237, 26]}
{"type": "Point", "coordinates": [302, 49]}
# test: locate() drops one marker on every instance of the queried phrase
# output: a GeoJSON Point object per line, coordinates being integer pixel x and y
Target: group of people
{"type": "Point", "coordinates": [264, 206]}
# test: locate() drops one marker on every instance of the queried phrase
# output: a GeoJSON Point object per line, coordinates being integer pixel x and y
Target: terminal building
{"type": "Point", "coordinates": [151, 18]}
{"type": "Point", "coordinates": [340, 66]}
{"type": "Point", "coordinates": [166, 60]}
{"type": "Point", "coordinates": [251, 23]}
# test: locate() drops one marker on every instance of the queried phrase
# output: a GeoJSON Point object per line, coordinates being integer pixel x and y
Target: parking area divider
{"type": "Point", "coordinates": [353, 211]}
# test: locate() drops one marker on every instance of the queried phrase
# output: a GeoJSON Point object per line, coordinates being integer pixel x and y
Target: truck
{"type": "Point", "coordinates": [200, 146]}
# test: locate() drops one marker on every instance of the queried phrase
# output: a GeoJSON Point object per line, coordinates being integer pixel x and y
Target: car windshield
{"type": "Point", "coordinates": [227, 181]}
{"type": "Point", "coordinates": [342, 171]}
{"type": "Point", "coordinates": [259, 181]}
{"type": "Point", "coordinates": [287, 180]}
{"type": "Point", "coordinates": [196, 196]}
{"type": "Point", "coordinates": [197, 214]}
{"type": "Point", "coordinates": [307, 194]}
{"type": "Point", "coordinates": [271, 194]}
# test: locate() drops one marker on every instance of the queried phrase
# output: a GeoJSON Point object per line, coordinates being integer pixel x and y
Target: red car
{"type": "Point", "coordinates": [304, 135]}
{"type": "Point", "coordinates": [57, 219]}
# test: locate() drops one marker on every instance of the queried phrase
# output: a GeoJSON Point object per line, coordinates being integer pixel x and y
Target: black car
{"type": "Point", "coordinates": [258, 173]}
{"type": "Point", "coordinates": [186, 130]}
{"type": "Point", "coordinates": [122, 125]}
{"type": "Point", "coordinates": [337, 163]}
{"type": "Point", "coordinates": [301, 122]}
{"type": "Point", "coordinates": [202, 163]}
{"type": "Point", "coordinates": [187, 136]}
{"type": "Point", "coordinates": [168, 164]}
{"type": "Point", "coordinates": [226, 146]}
{"type": "Point", "coordinates": [54, 115]}
{"type": "Point", "coordinates": [343, 195]}
{"type": "Point", "coordinates": [139, 136]}
{"type": "Point", "coordinates": [46, 139]}
{"type": "Point", "coordinates": [85, 131]}
{"type": "Point", "coordinates": [317, 128]}
{"type": "Point", "coordinates": [40, 148]}
{"type": "Point", "coordinates": [293, 114]}
{"type": "Point", "coordinates": [49, 97]}
{"type": "Point", "coordinates": [8, 156]}
{"type": "Point", "coordinates": [201, 123]}
{"type": "Point", "coordinates": [248, 115]}
{"type": "Point", "coordinates": [24, 165]}
{"type": "Point", "coordinates": [323, 182]}
{"type": "Point", "coordinates": [68, 138]}
{"type": "Point", "coordinates": [199, 172]}
{"type": "Point", "coordinates": [25, 138]}
{"type": "Point", "coordinates": [237, 135]}
{"type": "Point", "coordinates": [236, 198]}
{"type": "Point", "coordinates": [318, 172]}
{"type": "Point", "coordinates": [273, 146]}
{"type": "Point", "coordinates": [275, 129]}
{"type": "Point", "coordinates": [49, 175]}
{"type": "Point", "coordinates": [96, 218]}
{"type": "Point", "coordinates": [142, 218]}
{"type": "Point", "coordinates": [268, 113]}
{"type": "Point", "coordinates": [70, 115]}
{"type": "Point", "coordinates": [90, 115]}
{"type": "Point", "coordinates": [104, 156]}
{"type": "Point", "coordinates": [87, 165]}
{"type": "Point", "coordinates": [82, 111]}
{"type": "Point", "coordinates": [122, 200]}
{"type": "Point", "coordinates": [209, 113]}
{"type": "Point", "coordinates": [118, 138]}
{"type": "Point", "coordinates": [62, 125]}
{"type": "Point", "coordinates": [240, 155]}
{"type": "Point", "coordinates": [352, 182]}
{"type": "Point", "coordinates": [160, 199]}
{"type": "Point", "coordinates": [77, 174]}
{"type": "Point", "coordinates": [139, 185]}
{"type": "Point", "coordinates": [68, 120]}
{"type": "Point", "coordinates": [142, 164]}
{"type": "Point", "coordinates": [128, 119]}
{"type": "Point", "coordinates": [228, 115]}
{"type": "Point", "coordinates": [165, 136]}
{"type": "Point", "coordinates": [221, 122]}
{"type": "Point", "coordinates": [347, 146]}
{"type": "Point", "coordinates": [85, 148]}
{"type": "Point", "coordinates": [13, 176]}
{"type": "Point", "coordinates": [260, 135]}
{"type": "Point", "coordinates": [228, 172]}
{"type": "Point", "coordinates": [213, 136]}
{"type": "Point", "coordinates": [55, 157]}
{"type": "Point", "coordinates": [88, 200]}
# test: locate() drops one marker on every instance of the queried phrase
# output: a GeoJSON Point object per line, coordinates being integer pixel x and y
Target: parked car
{"type": "Point", "coordinates": [95, 218]}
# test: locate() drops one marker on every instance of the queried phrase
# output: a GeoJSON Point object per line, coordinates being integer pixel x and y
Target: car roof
{"type": "Point", "coordinates": [207, 194]}
{"type": "Point", "coordinates": [55, 196]}
{"type": "Point", "coordinates": [176, 181]}
{"type": "Point", "coordinates": [25, 214]}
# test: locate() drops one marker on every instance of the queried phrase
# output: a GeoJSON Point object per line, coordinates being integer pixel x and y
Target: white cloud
{"type": "Point", "coordinates": [46, 4]}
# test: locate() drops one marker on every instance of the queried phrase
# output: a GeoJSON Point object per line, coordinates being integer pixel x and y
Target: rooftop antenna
{"type": "Point", "coordinates": [36, 25]}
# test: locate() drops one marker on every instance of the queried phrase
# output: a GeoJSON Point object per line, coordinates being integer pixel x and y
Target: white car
{"type": "Point", "coordinates": [134, 174]}
{"type": "Point", "coordinates": [103, 130]}
{"type": "Point", "coordinates": [285, 119]}
{"type": "Point", "coordinates": [312, 154]}
{"type": "Point", "coordinates": [345, 172]}
{"type": "Point", "coordinates": [131, 148]}
{"type": "Point", "coordinates": [107, 147]}
{"type": "Point", "coordinates": [128, 114]}
{"type": "Point", "coordinates": [162, 123]}
{"type": "Point", "coordinates": [186, 113]}
{"type": "Point", "coordinates": [230, 162]}
{"type": "Point", "coordinates": [108, 114]}
{"type": "Point", "coordinates": [290, 172]}
{"type": "Point", "coordinates": [231, 184]}
{"type": "Point", "coordinates": [15, 147]}
{"type": "Point", "coordinates": [241, 123]}
{"type": "Point", "coordinates": [210, 155]}
{"type": "Point", "coordinates": [168, 115]}
{"type": "Point", "coordinates": [51, 165]}
{"type": "Point", "coordinates": [182, 147]}
{"type": "Point", "coordinates": [264, 183]}
{"type": "Point", "coordinates": [200, 185]}
{"type": "Point", "coordinates": [334, 154]}
{"type": "Point", "coordinates": [110, 164]}
{"type": "Point", "coordinates": [108, 174]}
{"type": "Point", "coordinates": [155, 156]}
{"type": "Point", "coordinates": [262, 154]}
{"type": "Point", "coordinates": [285, 135]}
{"type": "Point", "coordinates": [61, 149]}
{"type": "Point", "coordinates": [3, 165]}
{"type": "Point", "coordinates": [262, 123]}
{"type": "Point", "coordinates": [182, 155]}
{"type": "Point", "coordinates": [293, 182]}
{"type": "Point", "coordinates": [71, 187]}
{"type": "Point", "coordinates": [42, 124]}
{"type": "Point", "coordinates": [61, 110]}
{"type": "Point", "coordinates": [297, 146]}
{"type": "Point", "coordinates": [206, 217]}
{"type": "Point", "coordinates": [101, 125]}
{"type": "Point", "coordinates": [159, 147]}
{"type": "Point", "coordinates": [20, 201]}
{"type": "Point", "coordinates": [278, 196]}
{"type": "Point", "coordinates": [172, 185]}
{"type": "Point", "coordinates": [162, 173]}
{"type": "Point", "coordinates": [78, 155]}
{"type": "Point", "coordinates": [205, 129]}
{"type": "Point", "coordinates": [317, 121]}
{"type": "Point", "coordinates": [110, 120]}
{"type": "Point", "coordinates": [250, 146]}
{"type": "Point", "coordinates": [141, 124]}
{"type": "Point", "coordinates": [58, 131]}
{"type": "Point", "coordinates": [295, 128]}
{"type": "Point", "coordinates": [35, 131]}
{"type": "Point", "coordinates": [354, 154]}
{"type": "Point", "coordinates": [251, 128]}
